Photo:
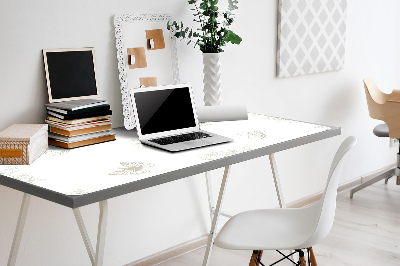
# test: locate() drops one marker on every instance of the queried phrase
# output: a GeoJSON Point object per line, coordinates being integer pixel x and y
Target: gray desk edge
{"type": "Point", "coordinates": [82, 200]}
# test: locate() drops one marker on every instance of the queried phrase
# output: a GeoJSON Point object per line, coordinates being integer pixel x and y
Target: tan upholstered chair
{"type": "Point", "coordinates": [385, 107]}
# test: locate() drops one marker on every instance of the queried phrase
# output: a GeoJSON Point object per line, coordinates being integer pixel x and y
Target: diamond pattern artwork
{"type": "Point", "coordinates": [311, 36]}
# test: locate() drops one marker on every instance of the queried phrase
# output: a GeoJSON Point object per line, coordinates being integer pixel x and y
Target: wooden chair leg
{"type": "Point", "coordinates": [255, 257]}
{"type": "Point", "coordinates": [313, 260]}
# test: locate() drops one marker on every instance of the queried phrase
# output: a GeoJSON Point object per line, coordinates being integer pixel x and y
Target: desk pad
{"type": "Point", "coordinates": [98, 167]}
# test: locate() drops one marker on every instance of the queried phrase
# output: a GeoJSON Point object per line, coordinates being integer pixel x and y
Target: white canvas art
{"type": "Point", "coordinates": [311, 36]}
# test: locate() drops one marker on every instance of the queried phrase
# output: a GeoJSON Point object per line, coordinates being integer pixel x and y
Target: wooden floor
{"type": "Point", "coordinates": [366, 232]}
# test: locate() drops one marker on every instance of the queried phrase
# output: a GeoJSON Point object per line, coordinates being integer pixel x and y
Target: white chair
{"type": "Point", "coordinates": [287, 229]}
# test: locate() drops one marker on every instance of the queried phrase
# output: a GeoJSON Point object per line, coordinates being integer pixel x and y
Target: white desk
{"type": "Point", "coordinates": [78, 177]}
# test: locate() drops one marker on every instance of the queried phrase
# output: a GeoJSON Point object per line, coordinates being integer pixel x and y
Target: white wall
{"type": "Point", "coordinates": [148, 221]}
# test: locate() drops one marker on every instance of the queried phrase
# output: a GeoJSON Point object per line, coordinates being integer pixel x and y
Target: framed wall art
{"type": "Point", "coordinates": [311, 36]}
{"type": "Point", "coordinates": [146, 53]}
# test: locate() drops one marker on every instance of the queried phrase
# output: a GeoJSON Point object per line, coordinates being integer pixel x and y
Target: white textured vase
{"type": "Point", "coordinates": [212, 76]}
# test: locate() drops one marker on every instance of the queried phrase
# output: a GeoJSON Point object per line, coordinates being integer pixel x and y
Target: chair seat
{"type": "Point", "coordinates": [381, 130]}
{"type": "Point", "coordinates": [269, 229]}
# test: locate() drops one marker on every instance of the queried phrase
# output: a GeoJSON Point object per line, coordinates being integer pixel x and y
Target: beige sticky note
{"type": "Point", "coordinates": [148, 82]}
{"type": "Point", "coordinates": [139, 56]}
{"type": "Point", "coordinates": [155, 39]}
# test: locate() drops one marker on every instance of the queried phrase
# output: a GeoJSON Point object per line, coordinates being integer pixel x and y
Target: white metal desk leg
{"type": "Point", "coordinates": [19, 229]}
{"type": "Point", "coordinates": [216, 216]}
{"type": "Point", "coordinates": [95, 258]}
{"type": "Point", "coordinates": [101, 233]}
{"type": "Point", "coordinates": [277, 182]}
{"type": "Point", "coordinates": [210, 194]}
{"type": "Point", "coordinates": [85, 236]}
{"type": "Point", "coordinates": [278, 187]}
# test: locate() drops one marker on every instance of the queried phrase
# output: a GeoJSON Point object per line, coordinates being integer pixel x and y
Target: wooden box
{"type": "Point", "coordinates": [23, 143]}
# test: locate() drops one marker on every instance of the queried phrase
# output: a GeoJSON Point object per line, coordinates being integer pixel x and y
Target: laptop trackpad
{"type": "Point", "coordinates": [197, 143]}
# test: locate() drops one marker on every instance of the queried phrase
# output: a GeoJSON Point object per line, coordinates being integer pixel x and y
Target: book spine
{"type": "Point", "coordinates": [74, 105]}
{"type": "Point", "coordinates": [55, 115]}
{"type": "Point", "coordinates": [78, 121]}
{"type": "Point", "coordinates": [89, 105]}
{"type": "Point", "coordinates": [99, 108]}
{"type": "Point", "coordinates": [81, 143]}
{"type": "Point", "coordinates": [79, 131]}
{"type": "Point", "coordinates": [70, 139]}
{"type": "Point", "coordinates": [61, 111]}
{"type": "Point", "coordinates": [80, 116]}
{"type": "Point", "coordinates": [83, 125]}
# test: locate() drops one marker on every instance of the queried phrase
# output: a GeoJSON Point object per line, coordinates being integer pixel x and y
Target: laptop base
{"type": "Point", "coordinates": [191, 144]}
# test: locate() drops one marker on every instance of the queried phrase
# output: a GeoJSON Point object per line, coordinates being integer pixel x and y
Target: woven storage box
{"type": "Point", "coordinates": [23, 143]}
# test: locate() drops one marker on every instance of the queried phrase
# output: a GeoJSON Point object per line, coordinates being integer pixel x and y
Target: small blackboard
{"type": "Point", "coordinates": [70, 74]}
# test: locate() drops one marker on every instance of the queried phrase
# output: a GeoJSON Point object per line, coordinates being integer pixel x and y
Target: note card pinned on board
{"type": "Point", "coordinates": [155, 39]}
{"type": "Point", "coordinates": [139, 56]}
{"type": "Point", "coordinates": [148, 82]}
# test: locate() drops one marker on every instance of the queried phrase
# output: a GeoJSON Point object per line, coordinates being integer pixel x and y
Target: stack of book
{"type": "Point", "coordinates": [79, 123]}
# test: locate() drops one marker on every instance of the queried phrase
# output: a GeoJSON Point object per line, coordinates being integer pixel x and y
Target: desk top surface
{"type": "Point", "coordinates": [85, 175]}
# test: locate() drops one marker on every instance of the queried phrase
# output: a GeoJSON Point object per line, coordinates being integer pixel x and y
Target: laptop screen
{"type": "Point", "coordinates": [164, 110]}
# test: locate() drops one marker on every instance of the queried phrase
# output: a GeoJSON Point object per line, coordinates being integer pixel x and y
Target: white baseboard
{"type": "Point", "coordinates": [369, 176]}
{"type": "Point", "coordinates": [200, 242]}
{"type": "Point", "coordinates": [315, 197]}
{"type": "Point", "coordinates": [172, 252]}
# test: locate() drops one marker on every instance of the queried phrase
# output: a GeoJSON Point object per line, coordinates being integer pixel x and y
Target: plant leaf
{"type": "Point", "coordinates": [204, 5]}
{"type": "Point", "coordinates": [233, 37]}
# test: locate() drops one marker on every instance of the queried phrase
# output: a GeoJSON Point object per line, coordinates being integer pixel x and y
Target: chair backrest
{"type": "Point", "coordinates": [376, 99]}
{"type": "Point", "coordinates": [327, 203]}
{"type": "Point", "coordinates": [379, 96]}
{"type": "Point", "coordinates": [373, 104]}
{"type": "Point", "coordinates": [382, 106]}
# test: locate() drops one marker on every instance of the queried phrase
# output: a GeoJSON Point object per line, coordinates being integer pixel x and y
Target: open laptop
{"type": "Point", "coordinates": [166, 118]}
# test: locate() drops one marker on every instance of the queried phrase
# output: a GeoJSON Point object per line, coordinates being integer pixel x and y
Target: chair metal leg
{"type": "Point", "coordinates": [302, 259]}
{"type": "Point", "coordinates": [19, 230]}
{"type": "Point", "coordinates": [388, 174]}
{"type": "Point", "coordinates": [211, 237]}
{"type": "Point", "coordinates": [398, 167]}
{"type": "Point", "coordinates": [313, 260]}
{"type": "Point", "coordinates": [384, 175]}
{"type": "Point", "coordinates": [286, 257]}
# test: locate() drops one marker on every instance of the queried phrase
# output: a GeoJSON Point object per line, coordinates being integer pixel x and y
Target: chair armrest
{"type": "Point", "coordinates": [377, 95]}
{"type": "Point", "coordinates": [394, 96]}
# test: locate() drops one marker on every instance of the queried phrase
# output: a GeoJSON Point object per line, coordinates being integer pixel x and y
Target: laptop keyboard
{"type": "Point", "coordinates": [180, 138]}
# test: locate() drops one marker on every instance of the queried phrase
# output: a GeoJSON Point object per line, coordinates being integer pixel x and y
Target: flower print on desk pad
{"type": "Point", "coordinates": [256, 134]}
{"type": "Point", "coordinates": [132, 168]}
{"type": "Point", "coordinates": [14, 172]}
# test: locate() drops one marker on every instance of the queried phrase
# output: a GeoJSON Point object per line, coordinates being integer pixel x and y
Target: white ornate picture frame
{"type": "Point", "coordinates": [130, 32]}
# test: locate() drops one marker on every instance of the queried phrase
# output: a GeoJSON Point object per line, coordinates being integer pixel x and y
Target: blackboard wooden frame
{"type": "Point", "coordinates": [46, 65]}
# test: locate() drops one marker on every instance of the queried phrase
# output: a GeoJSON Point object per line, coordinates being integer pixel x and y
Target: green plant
{"type": "Point", "coordinates": [214, 32]}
